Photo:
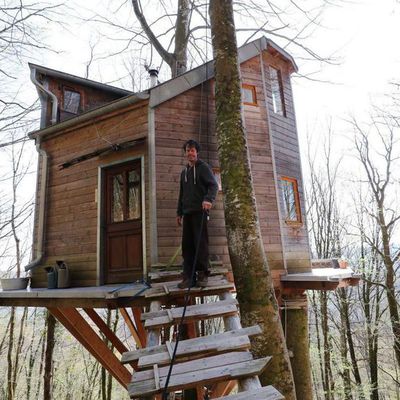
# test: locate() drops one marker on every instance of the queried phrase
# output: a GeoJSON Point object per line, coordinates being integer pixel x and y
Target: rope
{"type": "Point", "coordinates": [187, 298]}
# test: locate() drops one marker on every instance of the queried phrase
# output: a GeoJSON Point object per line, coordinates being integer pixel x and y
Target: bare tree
{"type": "Point", "coordinates": [377, 148]}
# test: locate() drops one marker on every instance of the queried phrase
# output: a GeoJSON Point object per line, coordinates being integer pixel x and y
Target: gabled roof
{"type": "Point", "coordinates": [196, 76]}
{"type": "Point", "coordinates": [162, 92]}
{"type": "Point", "coordinates": [79, 80]}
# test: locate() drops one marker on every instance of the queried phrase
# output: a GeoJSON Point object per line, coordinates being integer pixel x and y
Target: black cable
{"type": "Point", "coordinates": [187, 297]}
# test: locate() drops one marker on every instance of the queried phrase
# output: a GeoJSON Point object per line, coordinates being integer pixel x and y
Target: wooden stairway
{"type": "Point", "coordinates": [200, 361]}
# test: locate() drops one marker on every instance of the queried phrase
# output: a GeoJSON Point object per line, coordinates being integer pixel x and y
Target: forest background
{"type": "Point", "coordinates": [346, 98]}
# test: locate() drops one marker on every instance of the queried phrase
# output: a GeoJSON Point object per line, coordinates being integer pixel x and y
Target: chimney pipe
{"type": "Point", "coordinates": [153, 73]}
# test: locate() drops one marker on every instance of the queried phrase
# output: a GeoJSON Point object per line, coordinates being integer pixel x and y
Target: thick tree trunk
{"type": "Point", "coordinates": [253, 281]}
{"type": "Point", "coordinates": [296, 328]}
{"type": "Point", "coordinates": [48, 363]}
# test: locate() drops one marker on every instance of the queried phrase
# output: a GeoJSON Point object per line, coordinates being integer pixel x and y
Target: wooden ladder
{"type": "Point", "coordinates": [199, 361]}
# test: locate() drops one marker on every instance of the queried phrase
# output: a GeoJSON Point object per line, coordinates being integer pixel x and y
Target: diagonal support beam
{"type": "Point", "coordinates": [131, 326]}
{"type": "Point", "coordinates": [137, 314]}
{"type": "Point", "coordinates": [83, 332]}
{"type": "Point", "coordinates": [108, 333]}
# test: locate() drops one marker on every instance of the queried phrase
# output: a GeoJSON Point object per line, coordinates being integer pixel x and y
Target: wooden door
{"type": "Point", "coordinates": [123, 258]}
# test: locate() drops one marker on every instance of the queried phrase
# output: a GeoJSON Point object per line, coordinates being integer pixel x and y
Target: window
{"type": "Point", "coordinates": [249, 95]}
{"type": "Point", "coordinates": [72, 101]}
{"type": "Point", "coordinates": [217, 176]}
{"type": "Point", "coordinates": [277, 91]}
{"type": "Point", "coordinates": [291, 200]}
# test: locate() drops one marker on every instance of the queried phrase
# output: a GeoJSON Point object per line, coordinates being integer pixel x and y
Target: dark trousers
{"type": "Point", "coordinates": [190, 239]}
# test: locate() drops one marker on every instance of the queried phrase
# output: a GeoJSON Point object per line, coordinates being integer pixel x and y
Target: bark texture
{"type": "Point", "coordinates": [253, 281]}
{"type": "Point", "coordinates": [296, 321]}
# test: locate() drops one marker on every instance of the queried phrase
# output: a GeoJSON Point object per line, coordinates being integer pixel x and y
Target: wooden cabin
{"type": "Point", "coordinates": [109, 164]}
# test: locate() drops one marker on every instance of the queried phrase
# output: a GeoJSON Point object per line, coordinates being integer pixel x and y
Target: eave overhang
{"type": "Point", "coordinates": [90, 115]}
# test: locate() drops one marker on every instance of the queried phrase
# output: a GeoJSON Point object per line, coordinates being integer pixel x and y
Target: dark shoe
{"type": "Point", "coordinates": [186, 283]}
{"type": "Point", "coordinates": [202, 279]}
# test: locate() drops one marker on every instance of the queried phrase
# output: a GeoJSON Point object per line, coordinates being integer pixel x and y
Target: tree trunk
{"type": "Point", "coordinates": [10, 374]}
{"type": "Point", "coordinates": [48, 363]}
{"type": "Point", "coordinates": [296, 328]}
{"type": "Point", "coordinates": [253, 281]}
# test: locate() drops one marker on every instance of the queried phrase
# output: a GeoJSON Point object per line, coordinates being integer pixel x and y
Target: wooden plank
{"type": "Point", "coordinates": [193, 313]}
{"type": "Point", "coordinates": [107, 332]}
{"type": "Point", "coordinates": [83, 332]}
{"type": "Point", "coordinates": [215, 286]}
{"type": "Point", "coordinates": [131, 326]}
{"type": "Point", "coordinates": [195, 365]}
{"type": "Point", "coordinates": [169, 275]}
{"type": "Point", "coordinates": [196, 351]}
{"type": "Point", "coordinates": [185, 344]}
{"type": "Point", "coordinates": [198, 307]}
{"type": "Point", "coordinates": [204, 371]}
{"type": "Point", "coordinates": [264, 393]}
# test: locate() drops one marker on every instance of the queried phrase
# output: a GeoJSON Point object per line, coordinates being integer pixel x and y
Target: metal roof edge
{"type": "Point", "coordinates": [175, 86]}
{"type": "Point", "coordinates": [78, 79]}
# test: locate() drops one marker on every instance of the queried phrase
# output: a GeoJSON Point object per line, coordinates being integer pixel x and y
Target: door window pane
{"type": "Point", "coordinates": [117, 213]}
{"type": "Point", "coordinates": [133, 195]}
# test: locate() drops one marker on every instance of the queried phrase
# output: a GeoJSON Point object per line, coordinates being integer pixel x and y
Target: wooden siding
{"type": "Point", "coordinates": [90, 97]}
{"type": "Point", "coordinates": [177, 120]}
{"type": "Point", "coordinates": [288, 163]}
{"type": "Point", "coordinates": [72, 209]}
{"type": "Point", "coordinates": [181, 118]}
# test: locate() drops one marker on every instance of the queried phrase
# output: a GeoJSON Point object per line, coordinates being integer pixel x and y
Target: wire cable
{"type": "Point", "coordinates": [187, 298]}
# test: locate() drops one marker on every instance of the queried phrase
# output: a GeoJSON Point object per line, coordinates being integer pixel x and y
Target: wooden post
{"type": "Point", "coordinates": [231, 323]}
{"type": "Point", "coordinates": [153, 335]}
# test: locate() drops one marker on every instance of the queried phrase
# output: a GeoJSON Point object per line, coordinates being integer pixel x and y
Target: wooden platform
{"type": "Point", "coordinates": [215, 361]}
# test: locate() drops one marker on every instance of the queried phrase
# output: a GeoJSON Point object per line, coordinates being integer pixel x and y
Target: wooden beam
{"type": "Point", "coordinates": [131, 327]}
{"type": "Point", "coordinates": [137, 314]}
{"type": "Point", "coordinates": [310, 285]}
{"type": "Point", "coordinates": [107, 332]}
{"type": "Point", "coordinates": [223, 389]}
{"type": "Point", "coordinates": [83, 332]}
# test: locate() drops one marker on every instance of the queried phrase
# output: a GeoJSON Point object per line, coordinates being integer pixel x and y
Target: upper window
{"type": "Point", "coordinates": [72, 101]}
{"type": "Point", "coordinates": [249, 95]}
{"type": "Point", "coordinates": [291, 200]}
{"type": "Point", "coordinates": [278, 102]}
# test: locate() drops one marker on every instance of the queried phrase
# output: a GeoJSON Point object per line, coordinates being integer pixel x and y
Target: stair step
{"type": "Point", "coordinates": [193, 348]}
{"type": "Point", "coordinates": [264, 393]}
{"type": "Point", "coordinates": [174, 274]}
{"type": "Point", "coordinates": [216, 285]}
{"type": "Point", "coordinates": [234, 365]}
{"type": "Point", "coordinates": [196, 312]}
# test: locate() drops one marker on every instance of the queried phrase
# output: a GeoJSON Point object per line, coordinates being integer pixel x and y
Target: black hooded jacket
{"type": "Point", "coordinates": [197, 184]}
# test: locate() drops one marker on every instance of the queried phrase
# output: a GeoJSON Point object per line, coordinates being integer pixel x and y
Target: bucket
{"type": "Point", "coordinates": [51, 277]}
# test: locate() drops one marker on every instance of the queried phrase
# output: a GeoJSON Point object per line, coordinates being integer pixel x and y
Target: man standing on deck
{"type": "Point", "coordinates": [197, 192]}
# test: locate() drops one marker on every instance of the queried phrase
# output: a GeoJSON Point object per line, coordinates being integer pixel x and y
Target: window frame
{"type": "Point", "coordinates": [74, 90]}
{"type": "Point", "coordinates": [254, 94]}
{"type": "Point", "coordinates": [299, 219]}
{"type": "Point", "coordinates": [281, 92]}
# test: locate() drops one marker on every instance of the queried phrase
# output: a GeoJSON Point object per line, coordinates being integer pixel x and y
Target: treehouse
{"type": "Point", "coordinates": [107, 188]}
{"type": "Point", "coordinates": [109, 164]}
